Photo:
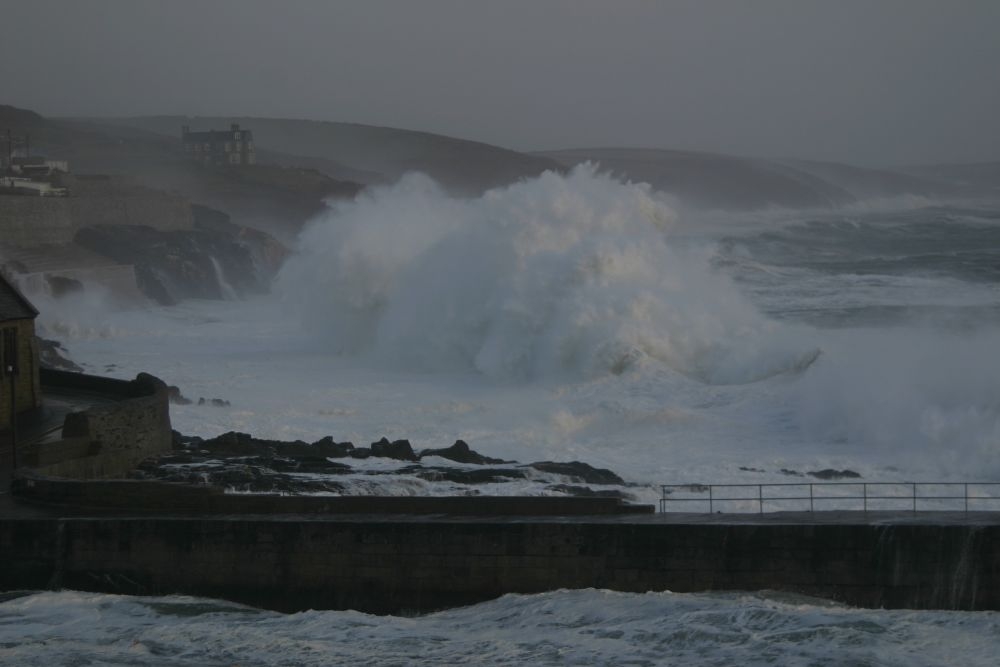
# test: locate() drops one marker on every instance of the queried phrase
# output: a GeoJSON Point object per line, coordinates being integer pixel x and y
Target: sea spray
{"type": "Point", "coordinates": [563, 275]}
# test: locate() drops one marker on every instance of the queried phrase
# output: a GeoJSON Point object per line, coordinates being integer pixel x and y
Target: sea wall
{"type": "Point", "coordinates": [392, 564]}
{"type": "Point", "coordinates": [130, 423]}
{"type": "Point", "coordinates": [30, 221]}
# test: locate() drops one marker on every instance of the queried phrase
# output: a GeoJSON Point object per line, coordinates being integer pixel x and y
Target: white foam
{"type": "Point", "coordinates": [584, 627]}
{"type": "Point", "coordinates": [561, 275]}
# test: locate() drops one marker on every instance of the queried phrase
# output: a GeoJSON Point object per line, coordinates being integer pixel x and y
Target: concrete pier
{"type": "Point", "coordinates": [391, 563]}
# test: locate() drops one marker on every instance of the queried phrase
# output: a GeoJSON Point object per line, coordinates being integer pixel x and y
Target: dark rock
{"type": "Point", "coordinates": [460, 476]}
{"type": "Point", "coordinates": [579, 472]}
{"type": "Point", "coordinates": [791, 473]}
{"type": "Point", "coordinates": [746, 469]}
{"type": "Point", "coordinates": [176, 397]}
{"type": "Point", "coordinates": [399, 450]}
{"type": "Point", "coordinates": [211, 262]}
{"type": "Point", "coordinates": [830, 473]}
{"type": "Point", "coordinates": [214, 402]}
{"type": "Point", "coordinates": [296, 449]}
{"type": "Point", "coordinates": [51, 354]}
{"type": "Point", "coordinates": [360, 453]}
{"type": "Point", "coordinates": [236, 444]}
{"type": "Point", "coordinates": [182, 441]}
{"type": "Point", "coordinates": [312, 464]}
{"type": "Point", "coordinates": [61, 285]}
{"type": "Point", "coordinates": [330, 448]}
{"type": "Point", "coordinates": [460, 453]}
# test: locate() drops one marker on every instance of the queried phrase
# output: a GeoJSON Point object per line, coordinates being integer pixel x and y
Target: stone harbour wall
{"type": "Point", "coordinates": [393, 564]}
{"type": "Point", "coordinates": [30, 221]}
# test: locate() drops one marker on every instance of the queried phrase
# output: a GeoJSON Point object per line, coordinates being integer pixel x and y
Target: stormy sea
{"type": "Point", "coordinates": [576, 317]}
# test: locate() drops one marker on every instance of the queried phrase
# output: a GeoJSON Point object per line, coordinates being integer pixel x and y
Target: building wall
{"type": "Point", "coordinates": [28, 388]}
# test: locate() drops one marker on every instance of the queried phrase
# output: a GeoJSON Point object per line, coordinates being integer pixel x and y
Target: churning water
{"type": "Point", "coordinates": [579, 317]}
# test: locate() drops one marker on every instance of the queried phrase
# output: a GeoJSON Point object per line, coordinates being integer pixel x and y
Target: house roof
{"type": "Point", "coordinates": [13, 304]}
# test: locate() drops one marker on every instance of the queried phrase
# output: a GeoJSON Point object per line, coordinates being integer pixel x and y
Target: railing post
{"type": "Point", "coordinates": [966, 497]}
{"type": "Point", "coordinates": [760, 497]}
{"type": "Point", "coordinates": [811, 510]}
{"type": "Point", "coordinates": [914, 497]}
{"type": "Point", "coordinates": [711, 509]}
{"type": "Point", "coordinates": [864, 494]}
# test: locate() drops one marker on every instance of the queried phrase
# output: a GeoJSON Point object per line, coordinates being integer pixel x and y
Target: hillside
{"type": "Point", "coordinates": [727, 182]}
{"type": "Point", "coordinates": [980, 175]}
{"type": "Point", "coordinates": [278, 195]}
{"type": "Point", "coordinates": [464, 167]}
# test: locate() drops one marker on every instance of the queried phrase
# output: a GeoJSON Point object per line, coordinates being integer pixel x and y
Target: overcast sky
{"type": "Point", "coordinates": [868, 81]}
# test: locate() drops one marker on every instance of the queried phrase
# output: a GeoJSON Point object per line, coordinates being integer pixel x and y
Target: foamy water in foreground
{"type": "Point", "coordinates": [585, 627]}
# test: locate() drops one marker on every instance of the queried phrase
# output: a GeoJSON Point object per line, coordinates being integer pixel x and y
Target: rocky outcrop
{"type": "Point", "coordinates": [398, 449]}
{"type": "Point", "coordinates": [460, 453]}
{"type": "Point", "coordinates": [51, 354]}
{"type": "Point", "coordinates": [211, 261]}
{"type": "Point", "coordinates": [240, 462]}
{"type": "Point", "coordinates": [579, 472]}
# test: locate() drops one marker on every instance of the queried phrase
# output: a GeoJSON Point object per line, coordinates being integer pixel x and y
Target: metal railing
{"type": "Point", "coordinates": [829, 496]}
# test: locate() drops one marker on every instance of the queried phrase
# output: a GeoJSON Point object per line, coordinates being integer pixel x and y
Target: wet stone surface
{"type": "Point", "coordinates": [240, 463]}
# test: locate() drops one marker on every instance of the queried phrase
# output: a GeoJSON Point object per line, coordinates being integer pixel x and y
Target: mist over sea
{"type": "Point", "coordinates": [577, 317]}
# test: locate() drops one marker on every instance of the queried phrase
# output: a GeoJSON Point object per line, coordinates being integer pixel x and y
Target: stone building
{"type": "Point", "coordinates": [18, 354]}
{"type": "Point", "coordinates": [220, 148]}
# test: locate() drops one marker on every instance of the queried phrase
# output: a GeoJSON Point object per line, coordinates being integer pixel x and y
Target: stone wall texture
{"type": "Point", "coordinates": [396, 564]}
{"type": "Point", "coordinates": [29, 221]}
{"type": "Point", "coordinates": [106, 441]}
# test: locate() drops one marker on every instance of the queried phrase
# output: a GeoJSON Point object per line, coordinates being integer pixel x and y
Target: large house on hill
{"type": "Point", "coordinates": [18, 354]}
{"type": "Point", "coordinates": [219, 147]}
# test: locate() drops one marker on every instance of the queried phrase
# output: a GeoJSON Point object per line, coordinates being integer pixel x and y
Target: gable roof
{"type": "Point", "coordinates": [13, 304]}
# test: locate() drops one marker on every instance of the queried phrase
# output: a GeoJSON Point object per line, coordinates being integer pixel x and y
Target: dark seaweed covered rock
{"type": "Point", "coordinates": [234, 443]}
{"type": "Point", "coordinates": [579, 472]}
{"type": "Point", "coordinates": [399, 450]}
{"type": "Point", "coordinates": [332, 449]}
{"type": "Point", "coordinates": [242, 463]}
{"type": "Point", "coordinates": [830, 473]}
{"type": "Point", "coordinates": [460, 453]}
{"type": "Point", "coordinates": [465, 476]}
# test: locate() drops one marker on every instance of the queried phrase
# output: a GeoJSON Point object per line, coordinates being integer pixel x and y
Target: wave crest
{"type": "Point", "coordinates": [563, 274]}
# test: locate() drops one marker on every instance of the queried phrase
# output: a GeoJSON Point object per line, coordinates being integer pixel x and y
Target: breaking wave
{"type": "Point", "coordinates": [568, 274]}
